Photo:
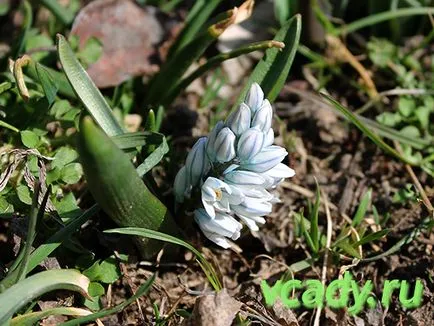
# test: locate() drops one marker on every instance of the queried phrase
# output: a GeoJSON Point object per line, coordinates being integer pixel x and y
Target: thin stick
{"type": "Point", "coordinates": [326, 254]}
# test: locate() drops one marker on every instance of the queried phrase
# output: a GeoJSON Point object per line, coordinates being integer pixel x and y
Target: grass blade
{"type": "Point", "coordinates": [48, 85]}
{"type": "Point", "coordinates": [206, 266]}
{"type": "Point", "coordinates": [143, 289]}
{"type": "Point", "coordinates": [44, 250]}
{"type": "Point", "coordinates": [17, 296]}
{"type": "Point", "coordinates": [363, 207]}
{"type": "Point", "coordinates": [314, 218]}
{"type": "Point", "coordinates": [383, 16]}
{"type": "Point", "coordinates": [195, 21]}
{"type": "Point", "coordinates": [154, 158]}
{"type": "Point", "coordinates": [271, 72]}
{"type": "Point", "coordinates": [86, 90]}
{"type": "Point", "coordinates": [63, 14]}
{"type": "Point", "coordinates": [363, 128]}
{"type": "Point", "coordinates": [35, 215]}
{"type": "Point", "coordinates": [372, 237]}
{"type": "Point", "coordinates": [33, 318]}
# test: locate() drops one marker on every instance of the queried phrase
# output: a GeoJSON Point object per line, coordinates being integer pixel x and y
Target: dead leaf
{"type": "Point", "coordinates": [128, 35]}
{"type": "Point", "coordinates": [214, 310]}
{"type": "Point", "coordinates": [284, 315]}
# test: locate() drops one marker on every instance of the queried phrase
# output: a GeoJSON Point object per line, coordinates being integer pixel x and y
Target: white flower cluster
{"type": "Point", "coordinates": [234, 167]}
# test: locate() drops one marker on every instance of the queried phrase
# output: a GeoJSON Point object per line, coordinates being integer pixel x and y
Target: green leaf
{"type": "Point", "coordinates": [389, 119]}
{"type": "Point", "coordinates": [63, 156]}
{"type": "Point", "coordinates": [205, 265]}
{"type": "Point", "coordinates": [359, 124]}
{"type": "Point", "coordinates": [154, 158]}
{"type": "Point", "coordinates": [48, 85]}
{"type": "Point", "coordinates": [406, 106]}
{"type": "Point", "coordinates": [271, 72]}
{"type": "Point", "coordinates": [372, 237]}
{"type": "Point", "coordinates": [423, 114]}
{"type": "Point", "coordinates": [348, 249]}
{"type": "Point", "coordinates": [23, 193]}
{"type": "Point", "coordinates": [381, 52]}
{"type": "Point", "coordinates": [363, 207]}
{"type": "Point", "coordinates": [106, 271]}
{"type": "Point", "coordinates": [194, 22]}
{"type": "Point", "coordinates": [44, 250]}
{"type": "Point", "coordinates": [38, 41]}
{"type": "Point", "coordinates": [71, 173]}
{"type": "Point", "coordinates": [143, 289]}
{"type": "Point", "coordinates": [120, 191]}
{"type": "Point", "coordinates": [32, 318]}
{"type": "Point", "coordinates": [5, 206]}
{"type": "Point", "coordinates": [91, 51]}
{"type": "Point", "coordinates": [18, 296]}
{"type": "Point", "coordinates": [29, 139]}
{"type": "Point", "coordinates": [86, 90]}
{"type": "Point", "coordinates": [62, 13]}
{"type": "Point", "coordinates": [314, 233]}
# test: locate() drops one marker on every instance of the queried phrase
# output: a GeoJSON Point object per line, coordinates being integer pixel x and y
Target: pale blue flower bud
{"type": "Point", "coordinates": [211, 140]}
{"type": "Point", "coordinates": [197, 162]}
{"type": "Point", "coordinates": [239, 121]}
{"type": "Point", "coordinates": [267, 159]}
{"type": "Point", "coordinates": [263, 117]}
{"type": "Point", "coordinates": [218, 228]}
{"type": "Point", "coordinates": [181, 185]}
{"type": "Point", "coordinates": [269, 138]}
{"type": "Point", "coordinates": [254, 97]}
{"type": "Point", "coordinates": [251, 207]}
{"type": "Point", "coordinates": [224, 146]}
{"type": "Point", "coordinates": [244, 178]}
{"type": "Point", "coordinates": [250, 143]}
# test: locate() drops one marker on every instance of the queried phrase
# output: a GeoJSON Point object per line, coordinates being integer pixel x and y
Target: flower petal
{"type": "Point", "coordinates": [180, 185]}
{"type": "Point", "coordinates": [267, 159]}
{"type": "Point", "coordinates": [224, 146]}
{"type": "Point", "coordinates": [211, 140]}
{"type": "Point", "coordinates": [263, 117]}
{"type": "Point", "coordinates": [250, 143]}
{"type": "Point", "coordinates": [248, 178]}
{"type": "Point", "coordinates": [239, 121]}
{"type": "Point", "coordinates": [197, 162]}
{"type": "Point", "coordinates": [254, 97]}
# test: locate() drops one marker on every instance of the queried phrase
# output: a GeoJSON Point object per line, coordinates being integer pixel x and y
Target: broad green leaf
{"type": "Point", "coordinates": [142, 290]}
{"type": "Point", "coordinates": [406, 106]}
{"type": "Point", "coordinates": [63, 156]}
{"type": "Point", "coordinates": [106, 271]}
{"type": "Point", "coordinates": [19, 295]}
{"type": "Point", "coordinates": [29, 139]}
{"type": "Point", "coordinates": [38, 41]}
{"type": "Point", "coordinates": [363, 207]}
{"type": "Point", "coordinates": [71, 173]}
{"type": "Point", "coordinates": [32, 318]}
{"type": "Point", "coordinates": [389, 119]}
{"type": "Point", "coordinates": [117, 188]}
{"type": "Point", "coordinates": [86, 90]}
{"type": "Point", "coordinates": [91, 51]}
{"type": "Point", "coordinates": [5, 206]}
{"type": "Point", "coordinates": [23, 193]}
{"type": "Point", "coordinates": [273, 69]}
{"type": "Point", "coordinates": [142, 232]}
{"type": "Point", "coordinates": [48, 84]}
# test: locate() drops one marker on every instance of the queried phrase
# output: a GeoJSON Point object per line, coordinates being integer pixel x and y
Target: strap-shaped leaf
{"type": "Point", "coordinates": [271, 72]}
{"type": "Point", "coordinates": [48, 84]}
{"type": "Point", "coordinates": [86, 90]}
{"type": "Point", "coordinates": [17, 296]}
{"type": "Point", "coordinates": [117, 188]}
